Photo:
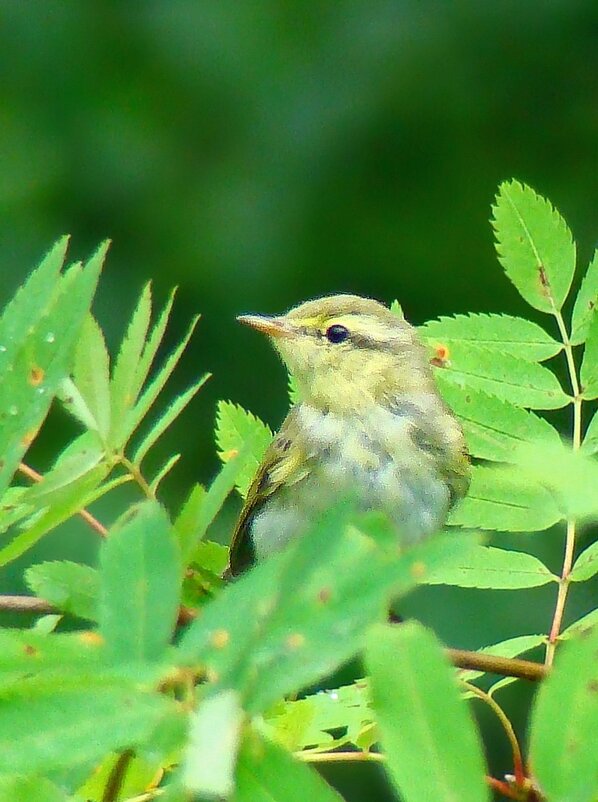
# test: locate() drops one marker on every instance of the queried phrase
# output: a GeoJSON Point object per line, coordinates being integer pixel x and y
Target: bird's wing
{"type": "Point", "coordinates": [284, 463]}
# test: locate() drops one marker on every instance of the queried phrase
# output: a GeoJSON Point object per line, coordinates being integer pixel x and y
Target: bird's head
{"type": "Point", "coordinates": [347, 352]}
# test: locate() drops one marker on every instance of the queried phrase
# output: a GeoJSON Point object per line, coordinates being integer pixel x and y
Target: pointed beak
{"type": "Point", "coordinates": [272, 326]}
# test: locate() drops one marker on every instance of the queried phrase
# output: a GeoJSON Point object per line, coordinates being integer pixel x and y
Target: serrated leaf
{"type": "Point", "coordinates": [493, 427]}
{"type": "Point", "coordinates": [210, 556]}
{"type": "Point", "coordinates": [397, 310]}
{"type": "Point", "coordinates": [305, 609]}
{"type": "Point", "coordinates": [134, 416]}
{"type": "Point", "coordinates": [186, 522]}
{"type": "Point", "coordinates": [432, 748]}
{"type": "Point", "coordinates": [570, 476]}
{"type": "Point", "coordinates": [512, 647]}
{"type": "Point", "coordinates": [141, 574]}
{"type": "Point", "coordinates": [564, 757]}
{"type": "Point", "coordinates": [505, 499]}
{"type": "Point", "coordinates": [214, 739]}
{"type": "Point", "coordinates": [40, 358]}
{"type": "Point", "coordinates": [589, 365]}
{"type": "Point", "coordinates": [525, 384]}
{"type": "Point", "coordinates": [267, 773]}
{"type": "Point", "coordinates": [54, 725]}
{"type": "Point", "coordinates": [234, 425]}
{"type": "Point", "coordinates": [534, 246]}
{"type": "Point", "coordinates": [125, 386]}
{"type": "Point", "coordinates": [490, 567]}
{"type": "Point", "coordinates": [91, 375]}
{"type": "Point", "coordinates": [590, 440]}
{"type": "Point", "coordinates": [167, 418]}
{"type": "Point", "coordinates": [577, 628]}
{"type": "Point", "coordinates": [585, 303]}
{"type": "Point", "coordinates": [586, 565]}
{"type": "Point", "coordinates": [510, 335]}
{"type": "Point", "coordinates": [69, 586]}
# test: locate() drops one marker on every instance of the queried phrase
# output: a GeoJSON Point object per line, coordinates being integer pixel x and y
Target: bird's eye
{"type": "Point", "coordinates": [337, 333]}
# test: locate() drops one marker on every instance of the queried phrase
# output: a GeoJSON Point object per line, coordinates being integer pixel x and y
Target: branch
{"type": "Point", "coordinates": [87, 516]}
{"type": "Point", "coordinates": [25, 604]}
{"type": "Point", "coordinates": [490, 663]}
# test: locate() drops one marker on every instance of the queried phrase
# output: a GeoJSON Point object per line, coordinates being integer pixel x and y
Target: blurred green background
{"type": "Point", "coordinates": [260, 152]}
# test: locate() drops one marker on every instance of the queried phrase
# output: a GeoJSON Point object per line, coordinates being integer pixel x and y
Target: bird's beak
{"type": "Point", "coordinates": [272, 326]}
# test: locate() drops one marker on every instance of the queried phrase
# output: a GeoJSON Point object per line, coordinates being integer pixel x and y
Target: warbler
{"type": "Point", "coordinates": [370, 422]}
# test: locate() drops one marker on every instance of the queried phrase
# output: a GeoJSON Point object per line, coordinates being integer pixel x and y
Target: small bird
{"type": "Point", "coordinates": [370, 423]}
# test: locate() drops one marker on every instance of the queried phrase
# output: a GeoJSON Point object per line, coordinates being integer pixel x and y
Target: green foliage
{"type": "Point", "coordinates": [177, 679]}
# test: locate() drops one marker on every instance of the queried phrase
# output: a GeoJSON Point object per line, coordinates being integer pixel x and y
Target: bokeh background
{"type": "Point", "coordinates": [260, 153]}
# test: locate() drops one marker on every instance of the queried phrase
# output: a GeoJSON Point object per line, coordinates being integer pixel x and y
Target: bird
{"type": "Point", "coordinates": [369, 422]}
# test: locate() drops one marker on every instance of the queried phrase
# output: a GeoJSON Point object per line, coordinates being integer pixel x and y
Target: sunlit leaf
{"type": "Point", "coordinates": [489, 567]}
{"type": "Point", "coordinates": [586, 565]}
{"type": "Point", "coordinates": [525, 384]}
{"type": "Point", "coordinates": [564, 724]}
{"type": "Point", "coordinates": [494, 427]}
{"type": "Point", "coordinates": [505, 499]}
{"type": "Point", "coordinates": [585, 303]}
{"type": "Point", "coordinates": [534, 246]}
{"type": "Point", "coordinates": [511, 335]}
{"type": "Point", "coordinates": [234, 425]}
{"type": "Point", "coordinates": [91, 375]}
{"type": "Point", "coordinates": [69, 586]}
{"type": "Point", "coordinates": [589, 365]}
{"type": "Point", "coordinates": [140, 585]}
{"type": "Point", "coordinates": [431, 745]}
{"type": "Point", "coordinates": [590, 440]}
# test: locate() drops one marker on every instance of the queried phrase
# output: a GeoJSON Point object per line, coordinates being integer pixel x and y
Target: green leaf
{"type": "Point", "coordinates": [133, 416]}
{"type": "Point", "coordinates": [234, 426]}
{"type": "Point", "coordinates": [489, 567]}
{"type": "Point", "coordinates": [211, 753]}
{"type": "Point", "coordinates": [308, 722]}
{"type": "Point", "coordinates": [512, 647]}
{"type": "Point", "coordinates": [140, 585]}
{"type": "Point", "coordinates": [534, 246]}
{"type": "Point", "coordinates": [26, 653]}
{"type": "Point", "coordinates": [30, 789]}
{"type": "Point", "coordinates": [305, 610]}
{"type": "Point", "coordinates": [585, 303]}
{"type": "Point", "coordinates": [69, 586]}
{"type": "Point", "coordinates": [525, 384]}
{"type": "Point", "coordinates": [39, 357]}
{"type": "Point", "coordinates": [397, 310]}
{"type": "Point", "coordinates": [267, 773]}
{"type": "Point", "coordinates": [564, 724]}
{"type": "Point", "coordinates": [579, 627]}
{"type": "Point", "coordinates": [510, 335]}
{"type": "Point", "coordinates": [224, 483]}
{"type": "Point", "coordinates": [432, 748]}
{"type": "Point", "coordinates": [589, 365]}
{"type": "Point", "coordinates": [590, 440]}
{"type": "Point", "coordinates": [505, 499]}
{"type": "Point", "coordinates": [74, 497]}
{"type": "Point", "coordinates": [91, 373]}
{"type": "Point", "coordinates": [186, 521]}
{"type": "Point", "coordinates": [570, 476]}
{"type": "Point", "coordinates": [55, 724]}
{"type": "Point", "coordinates": [493, 428]}
{"type": "Point", "coordinates": [586, 565]}
{"type": "Point", "coordinates": [212, 557]}
{"type": "Point", "coordinates": [168, 417]}
{"type": "Point", "coordinates": [126, 382]}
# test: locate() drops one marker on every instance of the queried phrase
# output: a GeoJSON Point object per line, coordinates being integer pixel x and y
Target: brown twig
{"type": "Point", "coordinates": [492, 664]}
{"type": "Point", "coordinates": [117, 776]}
{"type": "Point", "coordinates": [87, 516]}
{"type": "Point", "coordinates": [25, 604]}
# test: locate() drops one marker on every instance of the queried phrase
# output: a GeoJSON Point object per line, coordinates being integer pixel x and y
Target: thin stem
{"type": "Point", "coordinates": [117, 776]}
{"type": "Point", "coordinates": [137, 476]}
{"type": "Point", "coordinates": [569, 554]}
{"type": "Point", "coordinates": [87, 516]}
{"type": "Point", "coordinates": [25, 604]}
{"type": "Point", "coordinates": [518, 769]}
{"type": "Point", "coordinates": [492, 664]}
{"type": "Point", "coordinates": [340, 757]}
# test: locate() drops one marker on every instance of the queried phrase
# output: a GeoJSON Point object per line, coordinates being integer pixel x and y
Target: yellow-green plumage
{"type": "Point", "coordinates": [370, 423]}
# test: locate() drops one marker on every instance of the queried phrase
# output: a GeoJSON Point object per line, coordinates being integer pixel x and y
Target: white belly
{"type": "Point", "coordinates": [382, 470]}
